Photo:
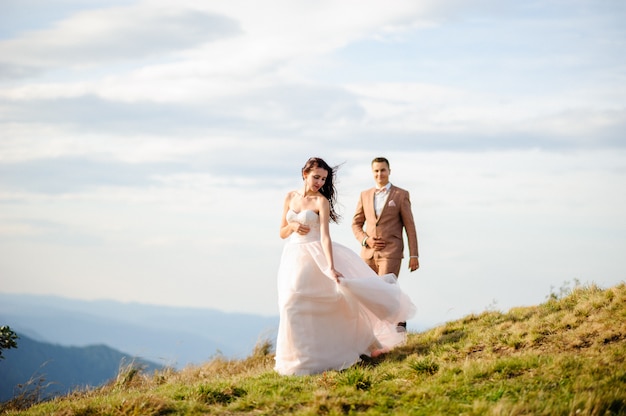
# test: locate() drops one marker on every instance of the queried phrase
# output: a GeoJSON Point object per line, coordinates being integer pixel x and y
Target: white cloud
{"type": "Point", "coordinates": [145, 150]}
{"type": "Point", "coordinates": [115, 34]}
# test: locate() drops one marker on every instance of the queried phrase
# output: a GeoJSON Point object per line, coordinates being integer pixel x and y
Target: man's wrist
{"type": "Point", "coordinates": [364, 242]}
{"type": "Point", "coordinates": [414, 257]}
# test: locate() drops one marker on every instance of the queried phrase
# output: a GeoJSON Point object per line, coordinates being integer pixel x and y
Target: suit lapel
{"type": "Point", "coordinates": [369, 201]}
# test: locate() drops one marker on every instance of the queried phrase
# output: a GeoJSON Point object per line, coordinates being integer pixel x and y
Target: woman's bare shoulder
{"type": "Point", "coordinates": [322, 201]}
{"type": "Point", "coordinates": [291, 194]}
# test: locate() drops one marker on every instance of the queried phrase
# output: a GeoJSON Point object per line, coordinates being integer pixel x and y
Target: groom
{"type": "Point", "coordinates": [385, 211]}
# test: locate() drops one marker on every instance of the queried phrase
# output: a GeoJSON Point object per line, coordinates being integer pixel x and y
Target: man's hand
{"type": "Point", "coordinates": [414, 263]}
{"type": "Point", "coordinates": [379, 243]}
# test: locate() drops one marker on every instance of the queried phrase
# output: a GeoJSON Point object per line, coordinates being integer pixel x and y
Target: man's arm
{"type": "Point", "coordinates": [409, 225]}
{"type": "Point", "coordinates": [358, 220]}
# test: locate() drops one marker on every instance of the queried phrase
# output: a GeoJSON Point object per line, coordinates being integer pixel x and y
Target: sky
{"type": "Point", "coordinates": [146, 147]}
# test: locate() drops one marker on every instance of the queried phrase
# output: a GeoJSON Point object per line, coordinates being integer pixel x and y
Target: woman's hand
{"type": "Point", "coordinates": [300, 228]}
{"type": "Point", "coordinates": [335, 274]}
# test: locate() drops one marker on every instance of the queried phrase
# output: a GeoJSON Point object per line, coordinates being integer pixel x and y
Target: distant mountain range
{"type": "Point", "coordinates": [78, 343]}
{"type": "Point", "coordinates": [47, 370]}
{"type": "Point", "coordinates": [169, 336]}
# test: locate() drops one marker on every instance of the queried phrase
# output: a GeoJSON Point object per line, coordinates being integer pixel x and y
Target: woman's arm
{"type": "Point", "coordinates": [286, 229]}
{"type": "Point", "coordinates": [327, 245]}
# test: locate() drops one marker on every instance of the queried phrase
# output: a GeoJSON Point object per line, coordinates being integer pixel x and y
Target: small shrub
{"type": "Point", "coordinates": [7, 339]}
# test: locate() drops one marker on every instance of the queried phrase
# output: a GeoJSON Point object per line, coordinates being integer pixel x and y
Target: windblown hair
{"type": "Point", "coordinates": [328, 190]}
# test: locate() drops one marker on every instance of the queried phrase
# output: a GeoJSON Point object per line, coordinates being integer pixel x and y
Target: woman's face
{"type": "Point", "coordinates": [316, 178]}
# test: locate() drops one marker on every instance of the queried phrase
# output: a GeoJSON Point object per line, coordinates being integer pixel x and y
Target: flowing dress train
{"type": "Point", "coordinates": [325, 325]}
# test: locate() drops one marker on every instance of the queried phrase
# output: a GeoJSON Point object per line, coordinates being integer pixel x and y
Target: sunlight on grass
{"type": "Point", "coordinates": [566, 356]}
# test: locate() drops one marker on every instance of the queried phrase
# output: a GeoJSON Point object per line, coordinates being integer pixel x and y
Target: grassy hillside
{"type": "Point", "coordinates": [566, 356]}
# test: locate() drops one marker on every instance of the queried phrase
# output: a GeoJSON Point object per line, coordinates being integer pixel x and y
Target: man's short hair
{"type": "Point", "coordinates": [380, 160]}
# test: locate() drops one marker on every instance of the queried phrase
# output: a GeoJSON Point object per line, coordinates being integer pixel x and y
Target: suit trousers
{"type": "Point", "coordinates": [383, 265]}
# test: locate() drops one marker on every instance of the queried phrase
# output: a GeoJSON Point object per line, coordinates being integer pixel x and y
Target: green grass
{"type": "Point", "coordinates": [566, 356]}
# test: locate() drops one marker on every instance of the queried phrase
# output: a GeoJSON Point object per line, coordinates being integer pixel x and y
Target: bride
{"type": "Point", "coordinates": [333, 307]}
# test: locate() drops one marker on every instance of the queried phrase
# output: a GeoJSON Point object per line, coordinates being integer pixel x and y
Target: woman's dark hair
{"type": "Point", "coordinates": [328, 190]}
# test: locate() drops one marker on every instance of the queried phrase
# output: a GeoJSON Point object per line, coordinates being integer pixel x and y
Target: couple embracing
{"type": "Point", "coordinates": [336, 307]}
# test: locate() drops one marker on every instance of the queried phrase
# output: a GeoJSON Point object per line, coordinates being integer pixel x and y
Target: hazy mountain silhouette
{"type": "Point", "coordinates": [169, 336]}
{"type": "Point", "coordinates": [54, 369]}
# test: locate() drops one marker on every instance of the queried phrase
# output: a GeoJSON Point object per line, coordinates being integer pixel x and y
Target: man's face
{"type": "Point", "coordinates": [381, 173]}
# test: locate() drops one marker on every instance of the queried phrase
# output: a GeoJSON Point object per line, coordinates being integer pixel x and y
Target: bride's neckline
{"type": "Point", "coordinates": [304, 210]}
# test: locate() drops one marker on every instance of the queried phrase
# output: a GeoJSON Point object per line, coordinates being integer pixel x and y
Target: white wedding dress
{"type": "Point", "coordinates": [325, 325]}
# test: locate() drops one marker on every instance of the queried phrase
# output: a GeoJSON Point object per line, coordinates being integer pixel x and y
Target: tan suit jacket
{"type": "Point", "coordinates": [395, 216]}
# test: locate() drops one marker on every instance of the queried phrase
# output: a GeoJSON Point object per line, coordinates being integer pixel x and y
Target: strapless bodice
{"type": "Point", "coordinates": [305, 217]}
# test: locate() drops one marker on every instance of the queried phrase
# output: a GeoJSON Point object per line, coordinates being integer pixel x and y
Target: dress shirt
{"type": "Point", "coordinates": [380, 198]}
